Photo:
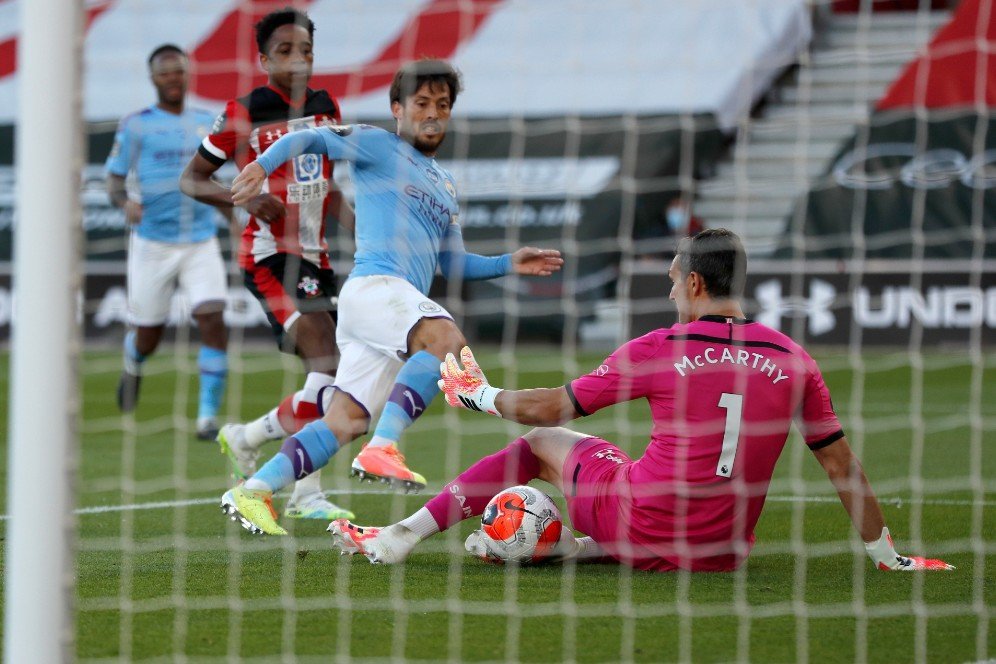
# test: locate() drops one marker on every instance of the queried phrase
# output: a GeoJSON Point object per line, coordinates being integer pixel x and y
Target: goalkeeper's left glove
{"type": "Point", "coordinates": [883, 554]}
{"type": "Point", "coordinates": [467, 387]}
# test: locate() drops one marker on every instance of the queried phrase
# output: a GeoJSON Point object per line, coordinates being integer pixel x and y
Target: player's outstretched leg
{"type": "Point", "coordinates": [241, 443]}
{"type": "Point", "coordinates": [414, 388]}
{"type": "Point", "coordinates": [131, 375]}
{"type": "Point", "coordinates": [463, 498]}
{"type": "Point", "coordinates": [212, 364]}
{"type": "Point", "coordinates": [302, 454]}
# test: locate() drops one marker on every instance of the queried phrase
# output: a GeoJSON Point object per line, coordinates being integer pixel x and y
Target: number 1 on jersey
{"type": "Point", "coordinates": [734, 405]}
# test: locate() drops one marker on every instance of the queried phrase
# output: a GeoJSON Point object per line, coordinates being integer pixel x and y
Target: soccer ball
{"type": "Point", "coordinates": [522, 523]}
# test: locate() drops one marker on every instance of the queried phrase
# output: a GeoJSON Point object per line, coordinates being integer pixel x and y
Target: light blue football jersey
{"type": "Point", "coordinates": [404, 203]}
{"type": "Point", "coordinates": [157, 145]}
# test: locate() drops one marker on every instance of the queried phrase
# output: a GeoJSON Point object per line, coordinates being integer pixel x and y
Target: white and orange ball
{"type": "Point", "coordinates": [523, 523]}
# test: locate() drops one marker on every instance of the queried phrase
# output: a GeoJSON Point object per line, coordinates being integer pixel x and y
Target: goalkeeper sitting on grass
{"type": "Point", "coordinates": [723, 392]}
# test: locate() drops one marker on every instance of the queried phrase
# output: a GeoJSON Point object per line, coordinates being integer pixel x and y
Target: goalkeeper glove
{"type": "Point", "coordinates": [467, 387]}
{"type": "Point", "coordinates": [883, 554]}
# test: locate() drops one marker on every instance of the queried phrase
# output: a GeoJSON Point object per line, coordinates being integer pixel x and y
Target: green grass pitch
{"type": "Point", "coordinates": [163, 576]}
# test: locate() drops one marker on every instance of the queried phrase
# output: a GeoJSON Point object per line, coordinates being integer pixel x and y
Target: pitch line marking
{"type": "Point", "coordinates": [169, 504]}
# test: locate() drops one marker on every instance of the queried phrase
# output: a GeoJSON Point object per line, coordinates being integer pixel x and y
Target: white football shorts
{"type": "Point", "coordinates": [155, 268]}
{"type": "Point", "coordinates": [376, 314]}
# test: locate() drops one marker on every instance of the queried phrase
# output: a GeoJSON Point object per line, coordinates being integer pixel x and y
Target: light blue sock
{"type": "Point", "coordinates": [414, 390]}
{"type": "Point", "coordinates": [300, 455]}
{"type": "Point", "coordinates": [132, 358]}
{"type": "Point", "coordinates": [213, 365]}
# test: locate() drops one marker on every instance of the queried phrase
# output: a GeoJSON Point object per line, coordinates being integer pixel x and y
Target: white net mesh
{"type": "Point", "coordinates": [580, 127]}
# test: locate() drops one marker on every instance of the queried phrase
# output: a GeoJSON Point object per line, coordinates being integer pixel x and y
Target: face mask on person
{"type": "Point", "coordinates": [676, 219]}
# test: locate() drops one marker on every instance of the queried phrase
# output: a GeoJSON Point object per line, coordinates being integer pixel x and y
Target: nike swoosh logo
{"type": "Point", "coordinates": [509, 505]}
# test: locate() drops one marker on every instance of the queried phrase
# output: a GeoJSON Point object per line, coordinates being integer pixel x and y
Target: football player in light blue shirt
{"type": "Point", "coordinates": [172, 237]}
{"type": "Point", "coordinates": [392, 337]}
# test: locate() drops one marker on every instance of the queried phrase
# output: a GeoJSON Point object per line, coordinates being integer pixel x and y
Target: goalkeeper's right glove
{"type": "Point", "coordinates": [467, 387]}
{"type": "Point", "coordinates": [883, 554]}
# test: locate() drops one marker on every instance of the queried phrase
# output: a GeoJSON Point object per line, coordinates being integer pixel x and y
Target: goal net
{"type": "Point", "coordinates": [847, 142]}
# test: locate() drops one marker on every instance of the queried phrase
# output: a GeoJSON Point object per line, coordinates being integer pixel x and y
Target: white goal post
{"type": "Point", "coordinates": [44, 391]}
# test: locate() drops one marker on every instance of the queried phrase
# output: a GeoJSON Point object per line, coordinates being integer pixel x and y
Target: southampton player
{"type": "Point", "coordinates": [723, 392]}
{"type": "Point", "coordinates": [391, 335]}
{"type": "Point", "coordinates": [284, 255]}
{"type": "Point", "coordinates": [173, 239]}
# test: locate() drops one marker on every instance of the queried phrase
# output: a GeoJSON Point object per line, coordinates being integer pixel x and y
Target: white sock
{"type": "Point", "coordinates": [313, 383]}
{"type": "Point", "coordinates": [421, 523]}
{"type": "Point", "coordinates": [263, 429]}
{"type": "Point", "coordinates": [380, 441]}
{"type": "Point", "coordinates": [254, 484]}
{"type": "Point", "coordinates": [307, 488]}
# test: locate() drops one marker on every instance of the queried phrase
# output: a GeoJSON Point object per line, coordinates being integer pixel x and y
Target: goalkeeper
{"type": "Point", "coordinates": [723, 392]}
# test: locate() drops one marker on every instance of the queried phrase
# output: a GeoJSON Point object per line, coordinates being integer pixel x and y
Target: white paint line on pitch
{"type": "Point", "coordinates": [168, 504]}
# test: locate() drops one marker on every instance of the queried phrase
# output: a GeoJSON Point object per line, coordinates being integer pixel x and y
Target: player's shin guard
{"type": "Point", "coordinates": [300, 455]}
{"type": "Point", "coordinates": [470, 492]}
{"type": "Point", "coordinates": [415, 388]}
{"type": "Point", "coordinates": [213, 366]}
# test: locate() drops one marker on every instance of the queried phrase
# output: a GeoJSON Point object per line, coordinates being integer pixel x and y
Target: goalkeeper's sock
{"type": "Point", "coordinates": [422, 523]}
{"type": "Point", "coordinates": [293, 413]}
{"type": "Point", "coordinates": [300, 455]}
{"type": "Point", "coordinates": [414, 389]}
{"type": "Point", "coordinates": [132, 358]}
{"type": "Point", "coordinates": [470, 492]}
{"type": "Point", "coordinates": [213, 366]}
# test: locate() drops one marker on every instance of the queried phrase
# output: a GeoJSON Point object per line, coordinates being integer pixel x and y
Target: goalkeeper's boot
{"type": "Point", "coordinates": [316, 506]}
{"type": "Point", "coordinates": [128, 391]}
{"type": "Point", "coordinates": [253, 510]}
{"type": "Point", "coordinates": [232, 441]}
{"type": "Point", "coordinates": [387, 464]}
{"type": "Point", "coordinates": [207, 428]}
{"type": "Point", "coordinates": [387, 546]}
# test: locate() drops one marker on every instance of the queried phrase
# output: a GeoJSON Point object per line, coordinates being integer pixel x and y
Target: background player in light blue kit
{"type": "Point", "coordinates": [172, 237]}
{"type": "Point", "coordinates": [391, 336]}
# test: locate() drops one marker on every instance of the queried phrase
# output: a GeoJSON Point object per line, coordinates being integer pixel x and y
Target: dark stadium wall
{"type": "Point", "coordinates": [918, 180]}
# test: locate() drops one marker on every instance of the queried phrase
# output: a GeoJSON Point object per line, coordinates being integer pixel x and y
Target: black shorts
{"type": "Point", "coordinates": [288, 286]}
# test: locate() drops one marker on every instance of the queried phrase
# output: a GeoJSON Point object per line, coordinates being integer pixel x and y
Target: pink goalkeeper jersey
{"type": "Point", "coordinates": [723, 394]}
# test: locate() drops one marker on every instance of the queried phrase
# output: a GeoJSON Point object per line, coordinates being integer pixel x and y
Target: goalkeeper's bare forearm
{"type": "Point", "coordinates": [540, 407]}
{"type": "Point", "coordinates": [856, 495]}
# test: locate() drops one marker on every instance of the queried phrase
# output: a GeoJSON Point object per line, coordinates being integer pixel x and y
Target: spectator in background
{"type": "Point", "coordinates": [680, 220]}
{"type": "Point", "coordinates": [655, 237]}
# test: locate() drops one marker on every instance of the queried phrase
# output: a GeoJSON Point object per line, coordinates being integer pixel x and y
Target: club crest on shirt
{"type": "Point", "coordinates": [429, 307]}
{"type": "Point", "coordinates": [450, 188]}
{"type": "Point", "coordinates": [309, 286]}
